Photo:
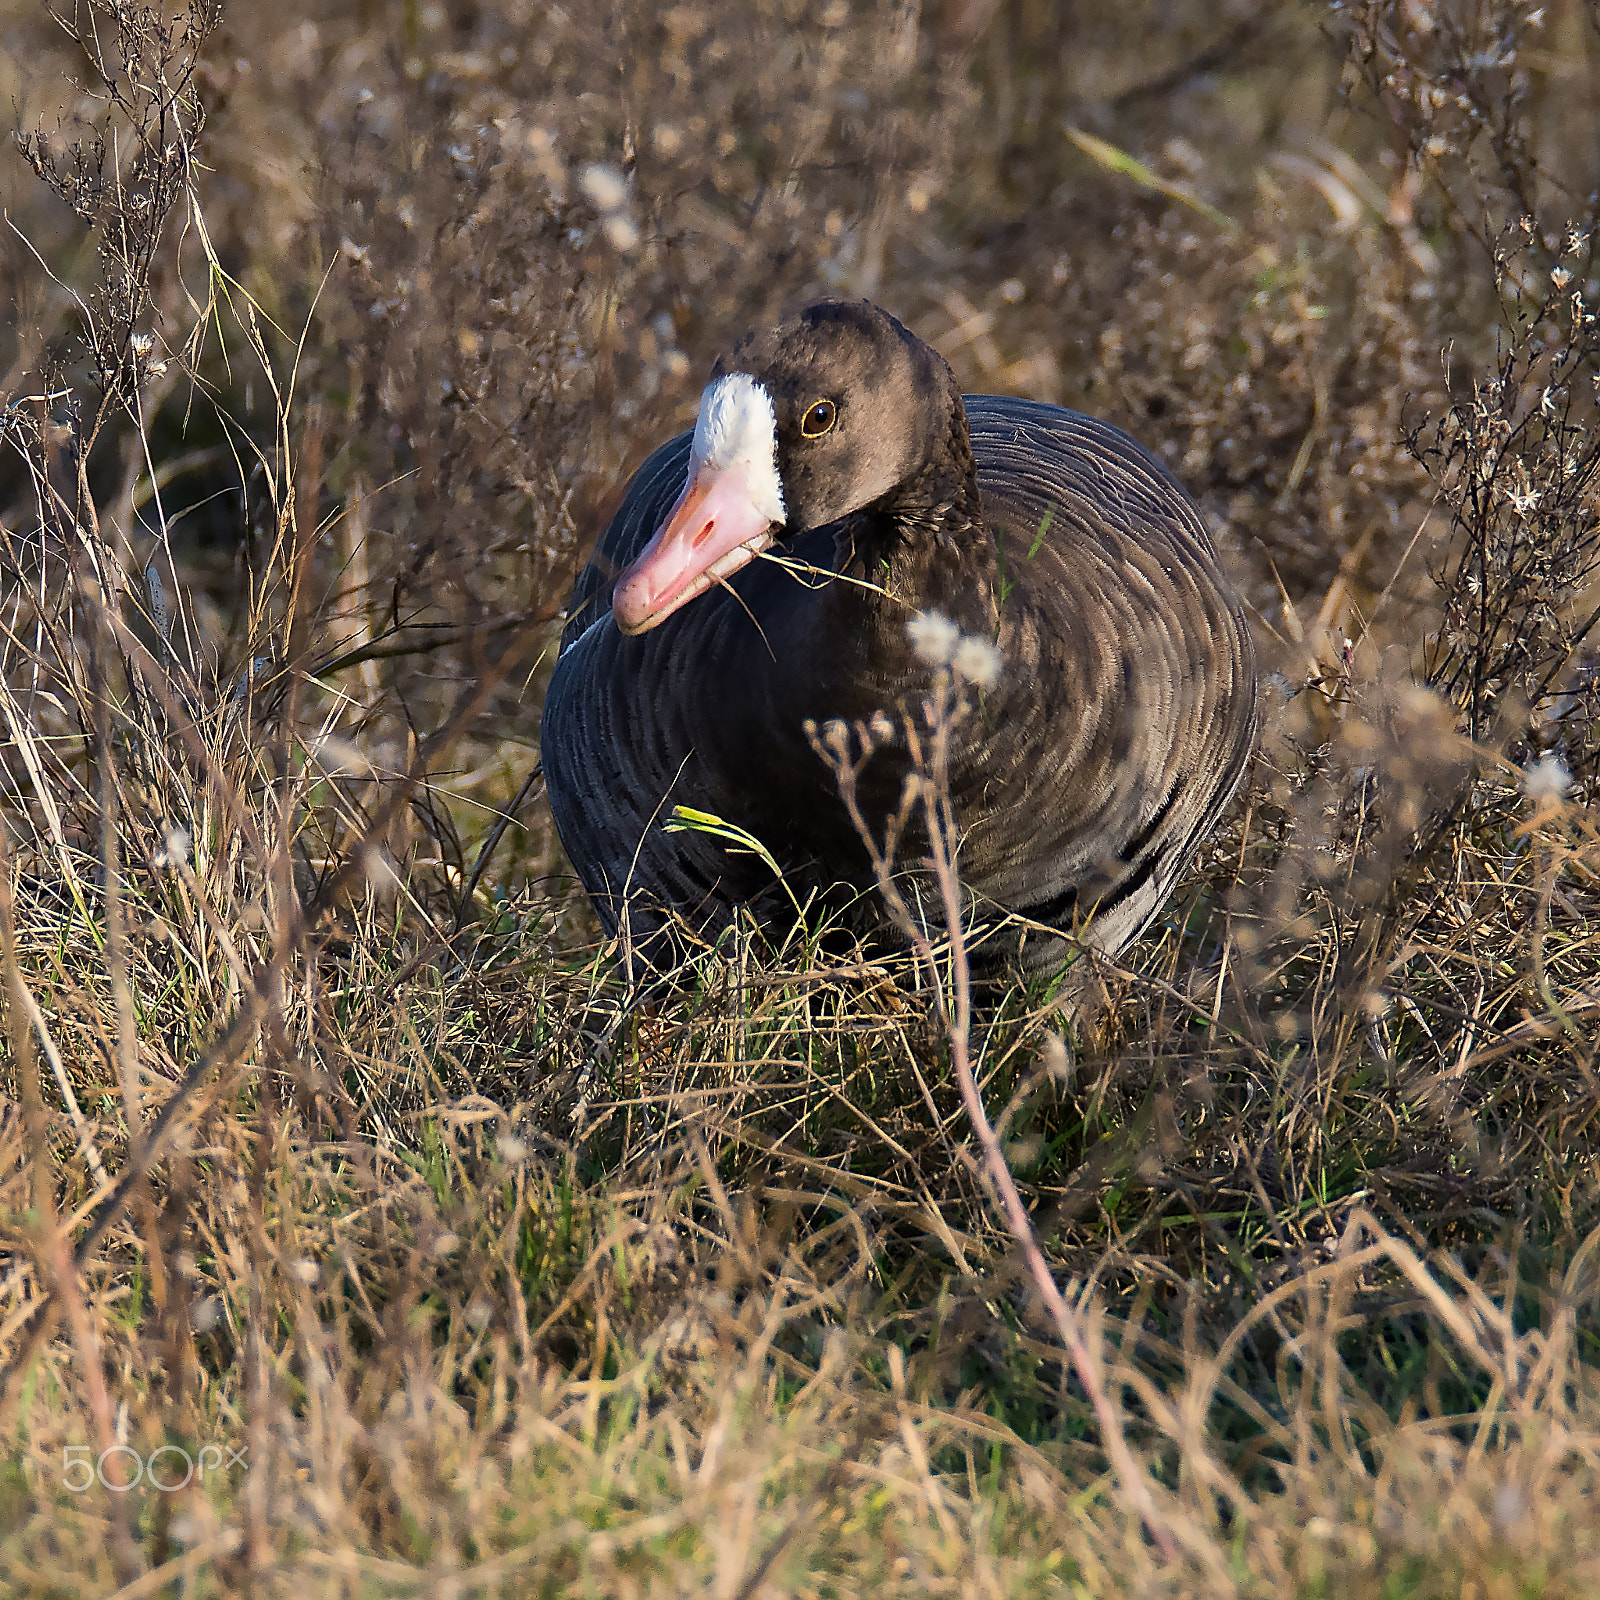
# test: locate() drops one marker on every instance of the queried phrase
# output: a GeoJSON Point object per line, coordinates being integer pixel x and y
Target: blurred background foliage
{"type": "Point", "coordinates": [504, 243]}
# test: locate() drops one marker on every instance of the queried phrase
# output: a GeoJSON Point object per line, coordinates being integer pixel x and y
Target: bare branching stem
{"type": "Point", "coordinates": [928, 789]}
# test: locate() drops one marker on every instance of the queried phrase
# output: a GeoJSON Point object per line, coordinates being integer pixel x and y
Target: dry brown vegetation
{"type": "Point", "coordinates": [339, 1163]}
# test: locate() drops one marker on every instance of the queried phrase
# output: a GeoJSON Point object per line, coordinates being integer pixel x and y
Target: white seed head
{"type": "Point", "coordinates": [379, 870]}
{"type": "Point", "coordinates": [621, 231]}
{"type": "Point", "coordinates": [934, 637]}
{"type": "Point", "coordinates": [1056, 1058]}
{"type": "Point", "coordinates": [978, 661]}
{"type": "Point", "coordinates": [174, 849]}
{"type": "Point", "coordinates": [604, 188]}
{"type": "Point", "coordinates": [1546, 779]}
{"type": "Point", "coordinates": [337, 756]}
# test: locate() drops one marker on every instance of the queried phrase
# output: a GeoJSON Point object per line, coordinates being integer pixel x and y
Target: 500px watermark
{"type": "Point", "coordinates": [169, 1467]}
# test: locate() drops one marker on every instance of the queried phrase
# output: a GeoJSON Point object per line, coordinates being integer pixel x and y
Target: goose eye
{"type": "Point", "coordinates": [819, 418]}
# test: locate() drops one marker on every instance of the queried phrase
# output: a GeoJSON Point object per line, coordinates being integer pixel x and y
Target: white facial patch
{"type": "Point", "coordinates": [737, 427]}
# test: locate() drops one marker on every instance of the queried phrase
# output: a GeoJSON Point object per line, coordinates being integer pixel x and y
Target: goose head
{"type": "Point", "coordinates": [835, 412]}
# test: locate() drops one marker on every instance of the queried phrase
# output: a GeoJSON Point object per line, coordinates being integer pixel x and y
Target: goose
{"type": "Point", "coordinates": [758, 580]}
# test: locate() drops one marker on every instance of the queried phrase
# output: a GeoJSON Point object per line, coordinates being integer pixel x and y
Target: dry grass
{"type": "Point", "coordinates": [338, 1160]}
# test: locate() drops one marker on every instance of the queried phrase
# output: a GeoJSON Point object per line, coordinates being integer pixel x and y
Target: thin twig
{"type": "Point", "coordinates": [929, 787]}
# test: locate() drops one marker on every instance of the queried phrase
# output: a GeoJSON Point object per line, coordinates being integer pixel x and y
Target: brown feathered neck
{"type": "Point", "coordinates": [926, 542]}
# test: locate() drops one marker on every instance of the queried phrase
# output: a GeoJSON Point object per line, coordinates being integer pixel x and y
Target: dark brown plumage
{"type": "Point", "coordinates": [1120, 725]}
